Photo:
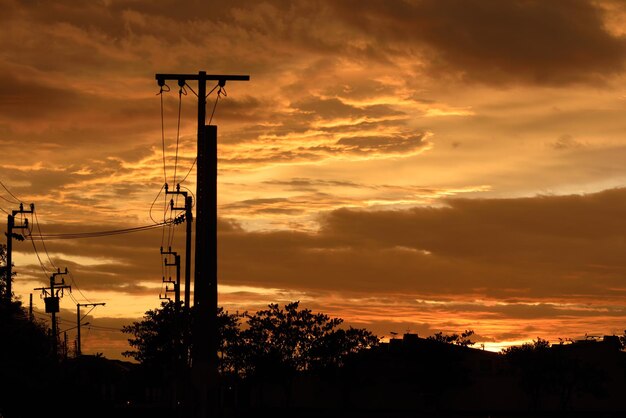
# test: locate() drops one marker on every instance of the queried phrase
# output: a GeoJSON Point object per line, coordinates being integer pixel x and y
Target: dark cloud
{"type": "Point", "coordinates": [398, 145]}
{"type": "Point", "coordinates": [334, 108]}
{"type": "Point", "coordinates": [547, 246]}
{"type": "Point", "coordinates": [271, 206]}
{"type": "Point", "coordinates": [382, 144]}
{"type": "Point", "coordinates": [494, 41]}
{"type": "Point", "coordinates": [306, 184]}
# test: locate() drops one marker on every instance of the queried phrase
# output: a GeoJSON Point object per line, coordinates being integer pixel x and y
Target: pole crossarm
{"type": "Point", "coordinates": [186, 77]}
{"type": "Point", "coordinates": [21, 209]}
{"type": "Point", "coordinates": [91, 304]}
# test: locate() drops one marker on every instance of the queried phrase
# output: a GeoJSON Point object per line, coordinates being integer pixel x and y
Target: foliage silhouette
{"type": "Point", "coordinates": [158, 338]}
{"type": "Point", "coordinates": [462, 340]}
{"type": "Point", "coordinates": [546, 370]}
{"type": "Point", "coordinates": [3, 271]}
{"type": "Point", "coordinates": [26, 360]}
{"type": "Point", "coordinates": [273, 341]}
{"type": "Point", "coordinates": [293, 339]}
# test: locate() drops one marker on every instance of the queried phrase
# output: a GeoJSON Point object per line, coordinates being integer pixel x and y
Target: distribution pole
{"type": "Point", "coordinates": [176, 263]}
{"type": "Point", "coordinates": [10, 236]}
{"type": "Point", "coordinates": [52, 303]}
{"type": "Point", "coordinates": [9, 270]}
{"type": "Point", "coordinates": [78, 319]}
{"type": "Point", "coordinates": [204, 333]}
{"type": "Point", "coordinates": [189, 220]}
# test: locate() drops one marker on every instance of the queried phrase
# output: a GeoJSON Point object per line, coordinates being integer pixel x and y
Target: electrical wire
{"type": "Point", "coordinates": [9, 192]}
{"type": "Point", "coordinates": [88, 312]}
{"type": "Point", "coordinates": [102, 328]}
{"type": "Point", "coordinates": [163, 136]}
{"type": "Point", "coordinates": [73, 298]}
{"type": "Point", "coordinates": [41, 237]}
{"type": "Point", "coordinates": [5, 211]}
{"type": "Point", "coordinates": [105, 327]}
{"type": "Point", "coordinates": [210, 120]}
{"type": "Point", "coordinates": [193, 196]}
{"type": "Point", "coordinates": [7, 200]}
{"type": "Point", "coordinates": [217, 98]}
{"type": "Point", "coordinates": [98, 234]}
{"type": "Point", "coordinates": [43, 268]}
{"type": "Point", "coordinates": [154, 201]}
{"type": "Point", "coordinates": [77, 288]}
{"type": "Point", "coordinates": [164, 166]}
{"type": "Point", "coordinates": [180, 106]}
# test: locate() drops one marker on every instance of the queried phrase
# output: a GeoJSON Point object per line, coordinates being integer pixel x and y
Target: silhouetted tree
{"type": "Point", "coordinates": [292, 339]}
{"type": "Point", "coordinates": [462, 340]}
{"type": "Point", "coordinates": [26, 361]}
{"type": "Point", "coordinates": [162, 331]}
{"type": "Point", "coordinates": [546, 370]}
{"type": "Point", "coordinates": [275, 339]}
{"type": "Point", "coordinates": [3, 270]}
{"type": "Point", "coordinates": [531, 361]}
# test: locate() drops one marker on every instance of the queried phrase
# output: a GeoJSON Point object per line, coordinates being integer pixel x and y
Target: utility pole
{"type": "Point", "coordinates": [10, 235]}
{"type": "Point", "coordinates": [178, 356]}
{"type": "Point", "coordinates": [204, 333]}
{"type": "Point", "coordinates": [51, 299]}
{"type": "Point", "coordinates": [78, 319]}
{"type": "Point", "coordinates": [30, 307]}
{"type": "Point", "coordinates": [189, 220]}
{"type": "Point", "coordinates": [177, 282]}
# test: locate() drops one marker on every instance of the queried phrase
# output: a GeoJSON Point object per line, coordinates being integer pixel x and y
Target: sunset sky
{"type": "Point", "coordinates": [409, 166]}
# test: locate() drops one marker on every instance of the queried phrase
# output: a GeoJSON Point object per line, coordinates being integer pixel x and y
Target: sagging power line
{"type": "Point", "coordinates": [97, 234]}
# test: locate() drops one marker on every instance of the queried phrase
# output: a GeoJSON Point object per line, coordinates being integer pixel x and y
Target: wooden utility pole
{"type": "Point", "coordinates": [204, 332]}
{"type": "Point", "coordinates": [10, 236]}
{"type": "Point", "coordinates": [51, 299]}
{"type": "Point", "coordinates": [78, 319]}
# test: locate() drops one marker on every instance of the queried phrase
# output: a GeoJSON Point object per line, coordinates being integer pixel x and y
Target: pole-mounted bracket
{"type": "Point", "coordinates": [221, 78]}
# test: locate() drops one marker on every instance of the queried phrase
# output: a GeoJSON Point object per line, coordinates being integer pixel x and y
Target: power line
{"type": "Point", "coordinates": [102, 327]}
{"type": "Point", "coordinates": [163, 133]}
{"type": "Point", "coordinates": [43, 268]}
{"type": "Point", "coordinates": [73, 298]}
{"type": "Point", "coordinates": [42, 241]}
{"type": "Point", "coordinates": [153, 202]}
{"type": "Point", "coordinates": [181, 91]}
{"type": "Point", "coordinates": [10, 201]}
{"type": "Point", "coordinates": [77, 288]}
{"type": "Point", "coordinates": [98, 234]}
{"type": "Point", "coordinates": [210, 120]}
{"type": "Point", "coordinates": [180, 106]}
{"type": "Point", "coordinates": [9, 192]}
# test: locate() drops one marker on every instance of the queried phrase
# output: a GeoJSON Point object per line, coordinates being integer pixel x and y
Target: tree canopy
{"type": "Point", "coordinates": [3, 270]}
{"type": "Point", "coordinates": [463, 339]}
{"type": "Point", "coordinates": [297, 339]}
{"type": "Point", "coordinates": [273, 340]}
